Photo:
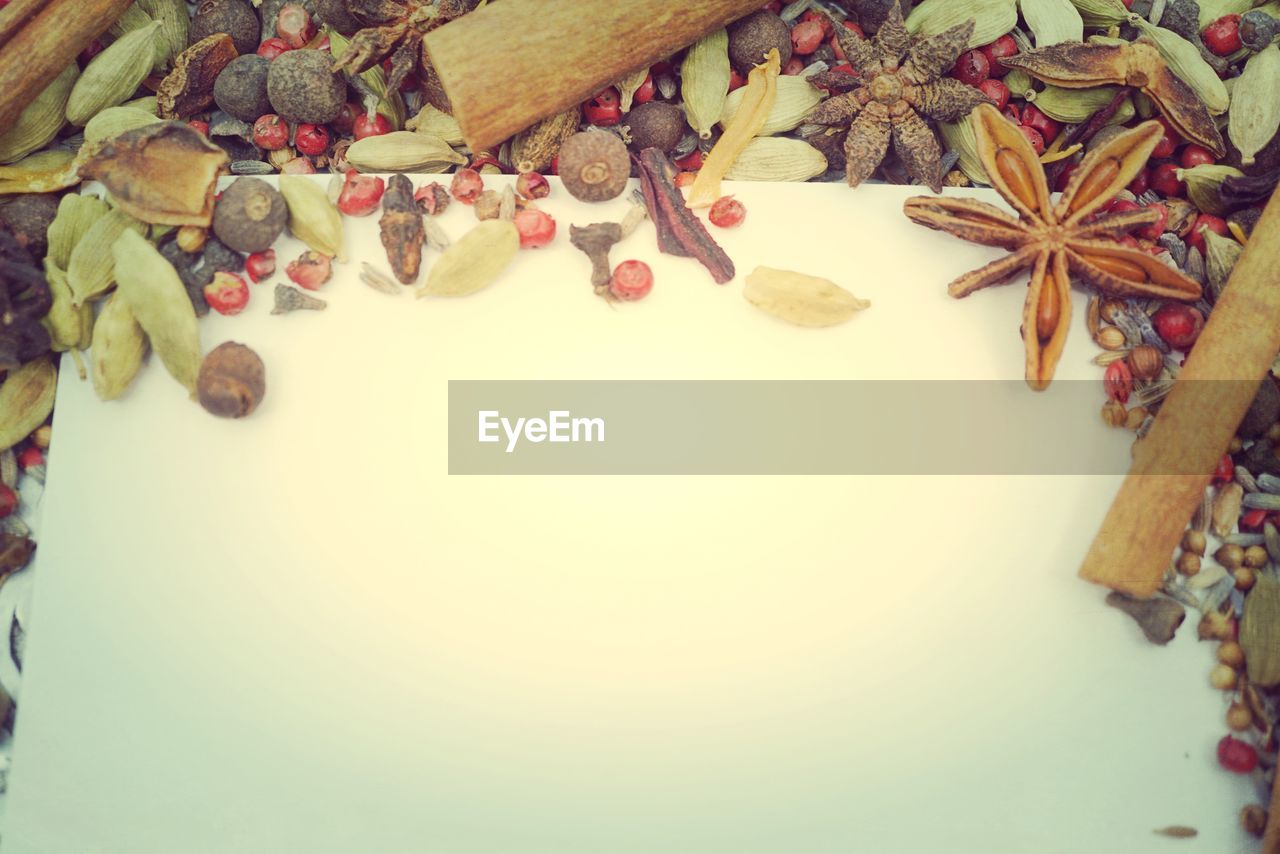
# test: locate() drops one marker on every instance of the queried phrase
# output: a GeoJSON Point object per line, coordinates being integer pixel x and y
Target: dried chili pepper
{"type": "Point", "coordinates": [680, 232]}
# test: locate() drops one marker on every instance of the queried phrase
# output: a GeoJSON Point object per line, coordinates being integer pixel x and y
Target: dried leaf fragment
{"type": "Point", "coordinates": [188, 88]}
{"type": "Point", "coordinates": [163, 173]}
{"type": "Point", "coordinates": [800, 299]}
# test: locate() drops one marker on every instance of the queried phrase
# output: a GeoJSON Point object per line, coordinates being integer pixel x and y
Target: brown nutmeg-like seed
{"type": "Point", "coordinates": [594, 166]}
{"type": "Point", "coordinates": [1145, 362]}
{"type": "Point", "coordinates": [232, 381]}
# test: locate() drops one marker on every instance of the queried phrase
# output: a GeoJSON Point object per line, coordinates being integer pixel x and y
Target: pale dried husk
{"type": "Point", "coordinates": [799, 298]}
{"type": "Point", "coordinates": [1052, 21]}
{"type": "Point", "coordinates": [403, 151]}
{"type": "Point", "coordinates": [40, 121]}
{"type": "Point", "coordinates": [769, 158]}
{"type": "Point", "coordinates": [1260, 632]}
{"type": "Point", "coordinates": [795, 99]}
{"type": "Point", "coordinates": [992, 18]}
{"type": "Point", "coordinates": [704, 81]}
{"type": "Point", "coordinates": [1254, 117]}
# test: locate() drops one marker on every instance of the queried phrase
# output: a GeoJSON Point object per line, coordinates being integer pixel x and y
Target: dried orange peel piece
{"type": "Point", "coordinates": [757, 102]}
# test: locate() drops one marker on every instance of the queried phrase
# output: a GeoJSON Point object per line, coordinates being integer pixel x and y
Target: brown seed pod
{"type": "Point", "coordinates": [28, 217]}
{"type": "Point", "coordinates": [232, 381]}
{"type": "Point", "coordinates": [594, 166]}
{"type": "Point", "coordinates": [1145, 362]}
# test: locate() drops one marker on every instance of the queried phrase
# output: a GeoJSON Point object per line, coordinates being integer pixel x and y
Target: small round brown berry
{"type": "Point", "coordinates": [594, 166]}
{"type": "Point", "coordinates": [232, 381]}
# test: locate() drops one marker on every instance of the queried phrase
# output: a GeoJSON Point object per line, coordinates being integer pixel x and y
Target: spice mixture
{"type": "Point", "coordinates": [1156, 120]}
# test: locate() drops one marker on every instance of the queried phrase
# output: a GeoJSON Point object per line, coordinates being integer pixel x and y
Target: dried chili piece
{"type": "Point", "coordinates": [680, 232]}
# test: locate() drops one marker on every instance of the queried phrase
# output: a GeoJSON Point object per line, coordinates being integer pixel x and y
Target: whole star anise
{"type": "Point", "coordinates": [899, 80]}
{"type": "Point", "coordinates": [1055, 241]}
{"type": "Point", "coordinates": [395, 28]}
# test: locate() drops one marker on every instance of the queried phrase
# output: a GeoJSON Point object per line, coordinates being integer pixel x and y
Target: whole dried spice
{"type": "Point", "coordinates": [164, 173]}
{"type": "Point", "coordinates": [24, 299]}
{"type": "Point", "coordinates": [1052, 21]}
{"type": "Point", "coordinates": [535, 149]}
{"type": "Point", "coordinates": [403, 151]}
{"type": "Point", "coordinates": [1158, 617]}
{"type": "Point", "coordinates": [15, 552]}
{"type": "Point", "coordinates": [796, 98]}
{"type": "Point", "coordinates": [63, 320]}
{"type": "Point", "coordinates": [596, 239]}
{"type": "Point", "coordinates": [119, 345]}
{"type": "Point", "coordinates": [991, 18]}
{"type": "Point", "coordinates": [1138, 65]}
{"type": "Point", "coordinates": [91, 266]}
{"type": "Point", "coordinates": [26, 399]}
{"type": "Point", "coordinates": [1055, 240]}
{"type": "Point", "coordinates": [114, 75]}
{"type": "Point", "coordinates": [1254, 118]}
{"type": "Point", "coordinates": [249, 215]}
{"type": "Point", "coordinates": [474, 262]}
{"type": "Point", "coordinates": [757, 102]}
{"type": "Point", "coordinates": [112, 122]}
{"type": "Point", "coordinates": [594, 166]}
{"type": "Point", "coordinates": [233, 17]}
{"type": "Point", "coordinates": [901, 83]}
{"type": "Point", "coordinates": [394, 29]}
{"type": "Point", "coordinates": [43, 172]}
{"type": "Point", "coordinates": [769, 158]}
{"type": "Point", "coordinates": [1260, 631]}
{"type": "Point", "coordinates": [40, 120]}
{"type": "Point", "coordinates": [1187, 64]}
{"type": "Point", "coordinates": [28, 218]}
{"type": "Point", "coordinates": [1226, 509]}
{"type": "Point", "coordinates": [302, 88]}
{"type": "Point", "coordinates": [158, 300]}
{"type": "Point", "coordinates": [800, 299]}
{"type": "Point", "coordinates": [680, 232]}
{"type": "Point", "coordinates": [232, 381]}
{"type": "Point", "coordinates": [401, 229]}
{"type": "Point", "coordinates": [289, 299]}
{"type": "Point", "coordinates": [704, 81]}
{"type": "Point", "coordinates": [312, 217]}
{"type": "Point", "coordinates": [188, 88]}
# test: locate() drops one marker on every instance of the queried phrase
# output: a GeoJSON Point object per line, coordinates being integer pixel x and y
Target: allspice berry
{"type": "Point", "coordinates": [233, 17]}
{"type": "Point", "coordinates": [249, 215]}
{"type": "Point", "coordinates": [751, 38]}
{"type": "Point", "coordinates": [28, 217]}
{"type": "Point", "coordinates": [594, 166]}
{"type": "Point", "coordinates": [656, 125]}
{"type": "Point", "coordinates": [335, 14]}
{"type": "Point", "coordinates": [232, 381]}
{"type": "Point", "coordinates": [301, 87]}
{"type": "Point", "coordinates": [241, 88]}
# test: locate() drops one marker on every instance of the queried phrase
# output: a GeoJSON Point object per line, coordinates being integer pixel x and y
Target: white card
{"type": "Point", "coordinates": [299, 633]}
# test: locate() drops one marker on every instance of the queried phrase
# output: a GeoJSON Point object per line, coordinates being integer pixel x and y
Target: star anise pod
{"type": "Point", "coordinates": [1055, 241]}
{"type": "Point", "coordinates": [396, 28]}
{"type": "Point", "coordinates": [900, 81]}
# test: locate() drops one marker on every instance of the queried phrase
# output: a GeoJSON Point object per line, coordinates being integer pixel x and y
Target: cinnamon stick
{"type": "Point", "coordinates": [1215, 388]}
{"type": "Point", "coordinates": [41, 38]}
{"type": "Point", "coordinates": [552, 55]}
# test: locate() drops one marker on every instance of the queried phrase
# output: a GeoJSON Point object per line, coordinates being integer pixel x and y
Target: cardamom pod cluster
{"type": "Point", "coordinates": [403, 151]}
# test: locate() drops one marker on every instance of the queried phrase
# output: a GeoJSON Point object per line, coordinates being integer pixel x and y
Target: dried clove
{"type": "Point", "coordinates": [1158, 618]}
{"type": "Point", "coordinates": [291, 299]}
{"type": "Point", "coordinates": [680, 232]}
{"type": "Point", "coordinates": [402, 231]}
{"type": "Point", "coordinates": [596, 240]}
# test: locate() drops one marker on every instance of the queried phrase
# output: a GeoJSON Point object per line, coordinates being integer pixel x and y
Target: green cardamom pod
{"type": "Point", "coordinates": [1185, 61]}
{"type": "Point", "coordinates": [772, 158]}
{"type": "Point", "coordinates": [1212, 10]}
{"type": "Point", "coordinates": [473, 262]}
{"type": "Point", "coordinates": [795, 99]}
{"type": "Point", "coordinates": [118, 347]}
{"type": "Point", "coordinates": [63, 319]}
{"type": "Point", "coordinates": [1052, 21]}
{"type": "Point", "coordinates": [961, 139]}
{"type": "Point", "coordinates": [113, 75]}
{"type": "Point", "coordinates": [403, 151]}
{"type": "Point", "coordinates": [1220, 256]}
{"type": "Point", "coordinates": [1254, 117]}
{"type": "Point", "coordinates": [175, 22]}
{"type": "Point", "coordinates": [159, 301]}
{"type": "Point", "coordinates": [1260, 632]}
{"type": "Point", "coordinates": [992, 18]}
{"type": "Point", "coordinates": [75, 215]}
{"type": "Point", "coordinates": [1203, 185]}
{"type": "Point", "coordinates": [1019, 83]}
{"type": "Point", "coordinates": [704, 81]}
{"type": "Point", "coordinates": [1101, 14]}
{"type": "Point", "coordinates": [44, 171]}
{"type": "Point", "coordinates": [26, 399]}
{"type": "Point", "coordinates": [91, 267]}
{"type": "Point", "coordinates": [628, 86]}
{"type": "Point", "coordinates": [312, 217]}
{"type": "Point", "coordinates": [1073, 105]}
{"type": "Point", "coordinates": [147, 103]}
{"type": "Point", "coordinates": [438, 123]}
{"type": "Point", "coordinates": [114, 121]}
{"type": "Point", "coordinates": [40, 121]}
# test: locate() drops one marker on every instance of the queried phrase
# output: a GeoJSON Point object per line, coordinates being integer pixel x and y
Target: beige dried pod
{"type": "Point", "coordinates": [1226, 509]}
{"type": "Point", "coordinates": [800, 299]}
{"type": "Point", "coordinates": [594, 166]}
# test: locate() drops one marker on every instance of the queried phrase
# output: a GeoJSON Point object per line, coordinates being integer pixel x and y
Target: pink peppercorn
{"type": "Point", "coordinates": [631, 280]}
